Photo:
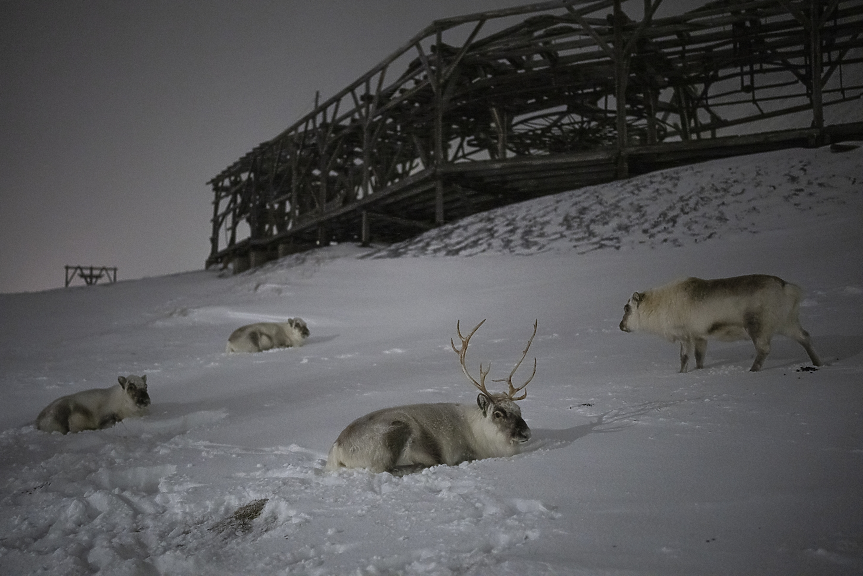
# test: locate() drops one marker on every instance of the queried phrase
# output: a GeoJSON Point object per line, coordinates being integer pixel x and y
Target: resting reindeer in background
{"type": "Point", "coordinates": [744, 307]}
{"type": "Point", "coordinates": [96, 408]}
{"type": "Point", "coordinates": [407, 438]}
{"type": "Point", "coordinates": [267, 335]}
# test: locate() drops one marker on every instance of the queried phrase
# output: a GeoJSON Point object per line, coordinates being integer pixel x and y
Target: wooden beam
{"type": "Point", "coordinates": [400, 221]}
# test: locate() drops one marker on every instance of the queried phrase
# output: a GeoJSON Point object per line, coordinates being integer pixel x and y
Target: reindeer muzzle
{"type": "Point", "coordinates": [521, 435]}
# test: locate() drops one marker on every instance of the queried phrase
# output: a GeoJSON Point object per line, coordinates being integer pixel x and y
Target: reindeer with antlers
{"type": "Point", "coordinates": [405, 439]}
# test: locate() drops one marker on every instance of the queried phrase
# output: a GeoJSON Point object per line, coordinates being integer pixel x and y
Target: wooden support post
{"type": "Point", "coordinates": [367, 137]}
{"type": "Point", "coordinates": [683, 113]}
{"type": "Point", "coordinates": [621, 72]}
{"type": "Point", "coordinates": [293, 150]}
{"type": "Point", "coordinates": [241, 263]}
{"type": "Point", "coordinates": [501, 122]}
{"type": "Point", "coordinates": [366, 232]}
{"type": "Point", "coordinates": [651, 98]}
{"type": "Point", "coordinates": [440, 155]}
{"type": "Point", "coordinates": [322, 191]}
{"type": "Point", "coordinates": [323, 240]}
{"type": "Point", "coordinates": [258, 258]}
{"type": "Point", "coordinates": [214, 239]}
{"type": "Point", "coordinates": [438, 203]}
{"type": "Point", "coordinates": [815, 68]}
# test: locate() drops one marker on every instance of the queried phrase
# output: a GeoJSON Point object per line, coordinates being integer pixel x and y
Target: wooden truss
{"type": "Point", "coordinates": [91, 274]}
{"type": "Point", "coordinates": [478, 111]}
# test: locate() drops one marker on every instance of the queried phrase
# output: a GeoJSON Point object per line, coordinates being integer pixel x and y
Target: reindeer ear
{"type": "Point", "coordinates": [122, 381]}
{"type": "Point", "coordinates": [483, 402]}
{"type": "Point", "coordinates": [144, 378]}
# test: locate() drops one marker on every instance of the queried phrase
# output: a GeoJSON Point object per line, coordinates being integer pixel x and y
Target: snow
{"type": "Point", "coordinates": [633, 468]}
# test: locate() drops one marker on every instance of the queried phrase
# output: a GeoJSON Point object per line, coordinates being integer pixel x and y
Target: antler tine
{"type": "Point", "coordinates": [461, 357]}
{"type": "Point", "coordinates": [512, 389]}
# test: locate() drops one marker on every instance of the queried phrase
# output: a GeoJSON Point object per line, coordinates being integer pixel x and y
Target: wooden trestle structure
{"type": "Point", "coordinates": [91, 274]}
{"type": "Point", "coordinates": [476, 112]}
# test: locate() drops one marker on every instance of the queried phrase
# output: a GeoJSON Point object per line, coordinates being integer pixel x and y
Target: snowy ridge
{"type": "Point", "coordinates": [676, 206]}
{"type": "Point", "coordinates": [632, 468]}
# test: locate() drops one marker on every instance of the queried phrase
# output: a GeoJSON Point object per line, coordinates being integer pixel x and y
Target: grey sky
{"type": "Point", "coordinates": [115, 113]}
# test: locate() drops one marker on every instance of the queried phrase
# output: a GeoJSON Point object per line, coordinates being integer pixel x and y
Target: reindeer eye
{"type": "Point", "coordinates": [498, 414]}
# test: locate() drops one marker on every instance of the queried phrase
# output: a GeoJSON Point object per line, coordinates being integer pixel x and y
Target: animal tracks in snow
{"type": "Point", "coordinates": [671, 207]}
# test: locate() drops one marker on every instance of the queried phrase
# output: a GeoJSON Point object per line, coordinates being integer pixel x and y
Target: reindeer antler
{"type": "Point", "coordinates": [461, 358]}
{"type": "Point", "coordinates": [465, 340]}
{"type": "Point", "coordinates": [512, 389]}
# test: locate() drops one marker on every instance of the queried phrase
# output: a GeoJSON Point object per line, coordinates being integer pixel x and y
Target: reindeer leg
{"type": "Point", "coordinates": [700, 349]}
{"type": "Point", "coordinates": [422, 451]}
{"type": "Point", "coordinates": [760, 337]}
{"type": "Point", "coordinates": [686, 347]}
{"type": "Point", "coordinates": [395, 439]}
{"type": "Point", "coordinates": [807, 345]}
{"type": "Point", "coordinates": [108, 421]}
{"type": "Point", "coordinates": [63, 417]}
{"type": "Point", "coordinates": [802, 337]}
{"type": "Point", "coordinates": [82, 419]}
{"type": "Point", "coordinates": [761, 354]}
{"type": "Point", "coordinates": [265, 343]}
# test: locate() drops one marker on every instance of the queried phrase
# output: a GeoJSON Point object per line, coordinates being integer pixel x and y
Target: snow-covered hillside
{"type": "Point", "coordinates": [633, 468]}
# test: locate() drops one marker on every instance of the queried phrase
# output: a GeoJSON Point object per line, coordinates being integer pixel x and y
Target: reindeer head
{"type": "Point", "coordinates": [299, 325]}
{"type": "Point", "coordinates": [136, 388]}
{"type": "Point", "coordinates": [630, 310]}
{"type": "Point", "coordinates": [500, 408]}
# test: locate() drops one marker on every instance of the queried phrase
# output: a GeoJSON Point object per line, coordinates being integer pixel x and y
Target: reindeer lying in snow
{"type": "Point", "coordinates": [96, 408]}
{"type": "Point", "coordinates": [263, 336]}
{"type": "Point", "coordinates": [744, 307]}
{"type": "Point", "coordinates": [407, 438]}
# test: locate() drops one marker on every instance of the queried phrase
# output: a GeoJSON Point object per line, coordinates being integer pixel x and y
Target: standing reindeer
{"type": "Point", "coordinates": [691, 311]}
{"type": "Point", "coordinates": [404, 439]}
